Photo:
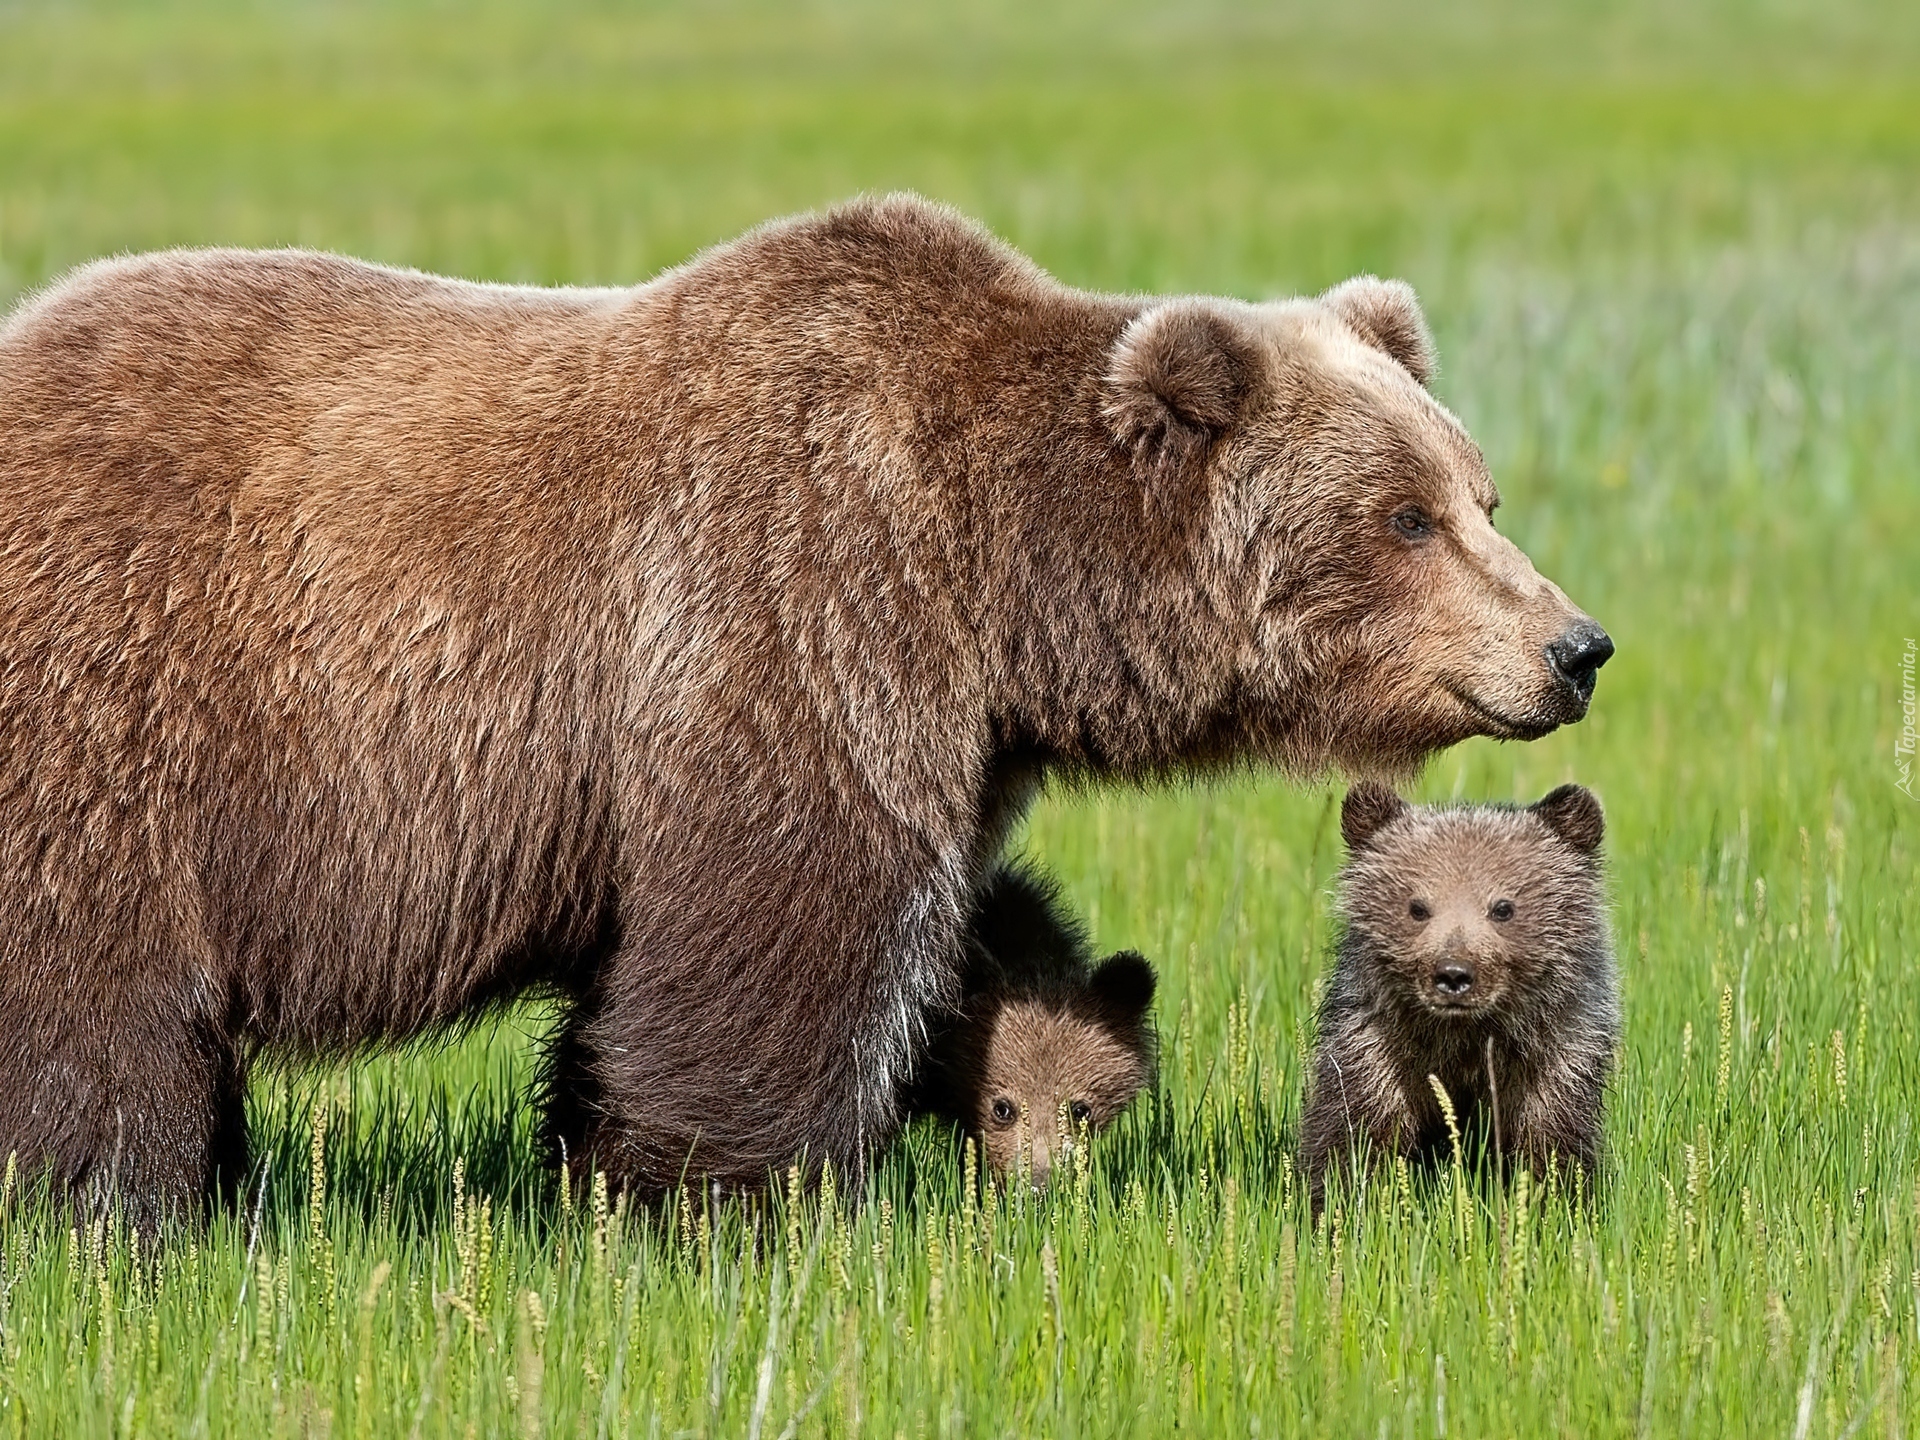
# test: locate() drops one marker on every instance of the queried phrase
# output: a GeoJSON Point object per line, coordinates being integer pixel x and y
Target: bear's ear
{"type": "Point", "coordinates": [1386, 315]}
{"type": "Point", "coordinates": [1178, 377]}
{"type": "Point", "coordinates": [1122, 985]}
{"type": "Point", "coordinates": [1573, 813]}
{"type": "Point", "coordinates": [1368, 806]}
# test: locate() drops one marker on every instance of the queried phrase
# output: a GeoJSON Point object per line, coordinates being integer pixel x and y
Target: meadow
{"type": "Point", "coordinates": [1671, 254]}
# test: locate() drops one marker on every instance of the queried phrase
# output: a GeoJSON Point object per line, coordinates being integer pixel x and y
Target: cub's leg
{"type": "Point", "coordinates": [1358, 1103]}
{"type": "Point", "coordinates": [1561, 1116]}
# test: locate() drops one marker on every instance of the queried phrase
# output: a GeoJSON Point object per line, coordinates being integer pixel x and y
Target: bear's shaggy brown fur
{"type": "Point", "coordinates": [375, 646]}
{"type": "Point", "coordinates": [1475, 952]}
{"type": "Point", "coordinates": [1044, 1042]}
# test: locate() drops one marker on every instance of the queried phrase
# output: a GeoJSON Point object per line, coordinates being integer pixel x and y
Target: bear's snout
{"type": "Point", "coordinates": [1039, 1163]}
{"type": "Point", "coordinates": [1453, 981]}
{"type": "Point", "coordinates": [1576, 658]}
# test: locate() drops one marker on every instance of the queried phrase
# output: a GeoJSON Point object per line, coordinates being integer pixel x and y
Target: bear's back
{"type": "Point", "coordinates": [167, 379]}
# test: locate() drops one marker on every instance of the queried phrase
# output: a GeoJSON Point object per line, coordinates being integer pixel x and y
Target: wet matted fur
{"type": "Point", "coordinates": [375, 646]}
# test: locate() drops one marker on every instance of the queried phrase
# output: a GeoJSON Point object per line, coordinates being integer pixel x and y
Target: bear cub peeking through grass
{"type": "Point", "coordinates": [1475, 952]}
{"type": "Point", "coordinates": [1044, 1043]}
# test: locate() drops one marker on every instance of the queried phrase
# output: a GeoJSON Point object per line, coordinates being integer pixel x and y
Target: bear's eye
{"type": "Point", "coordinates": [1003, 1111]}
{"type": "Point", "coordinates": [1412, 523]}
{"type": "Point", "coordinates": [1419, 911]}
{"type": "Point", "coordinates": [1080, 1111]}
{"type": "Point", "coordinates": [1502, 910]}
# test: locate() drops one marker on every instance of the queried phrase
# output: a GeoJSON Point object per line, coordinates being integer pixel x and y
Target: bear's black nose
{"type": "Point", "coordinates": [1577, 656]}
{"type": "Point", "coordinates": [1453, 979]}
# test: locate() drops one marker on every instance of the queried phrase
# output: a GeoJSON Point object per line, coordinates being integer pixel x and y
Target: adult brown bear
{"type": "Point", "coordinates": [374, 647]}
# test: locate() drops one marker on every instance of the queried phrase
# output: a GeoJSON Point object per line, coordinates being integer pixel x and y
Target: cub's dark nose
{"type": "Point", "coordinates": [1577, 656]}
{"type": "Point", "coordinates": [1453, 980]}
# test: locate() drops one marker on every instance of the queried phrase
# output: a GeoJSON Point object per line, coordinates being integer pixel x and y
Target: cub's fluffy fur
{"type": "Point", "coordinates": [1045, 1042]}
{"type": "Point", "coordinates": [1476, 951]}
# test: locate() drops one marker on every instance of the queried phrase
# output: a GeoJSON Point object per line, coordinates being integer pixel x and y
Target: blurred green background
{"type": "Point", "coordinates": [1671, 253]}
{"type": "Point", "coordinates": [1231, 147]}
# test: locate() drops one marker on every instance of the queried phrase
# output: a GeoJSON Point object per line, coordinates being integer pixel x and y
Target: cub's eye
{"type": "Point", "coordinates": [1419, 911]}
{"type": "Point", "coordinates": [1080, 1111]}
{"type": "Point", "coordinates": [1004, 1111]}
{"type": "Point", "coordinates": [1502, 910]}
{"type": "Point", "coordinates": [1412, 523]}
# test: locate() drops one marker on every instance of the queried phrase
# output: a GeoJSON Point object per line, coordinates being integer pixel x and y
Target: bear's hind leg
{"type": "Point", "coordinates": [134, 1109]}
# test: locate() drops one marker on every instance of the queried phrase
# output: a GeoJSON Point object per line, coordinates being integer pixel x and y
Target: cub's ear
{"type": "Point", "coordinates": [1386, 315]}
{"type": "Point", "coordinates": [1122, 985]}
{"type": "Point", "coordinates": [1177, 379]}
{"type": "Point", "coordinates": [1573, 813]}
{"type": "Point", "coordinates": [1368, 806]}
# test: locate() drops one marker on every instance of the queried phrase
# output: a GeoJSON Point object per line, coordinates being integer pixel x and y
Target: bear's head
{"type": "Point", "coordinates": [1032, 1068]}
{"type": "Point", "coordinates": [1343, 519]}
{"type": "Point", "coordinates": [1465, 912]}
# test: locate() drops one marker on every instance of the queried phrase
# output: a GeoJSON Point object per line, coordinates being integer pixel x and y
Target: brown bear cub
{"type": "Point", "coordinates": [1043, 1043]}
{"type": "Point", "coordinates": [1475, 952]}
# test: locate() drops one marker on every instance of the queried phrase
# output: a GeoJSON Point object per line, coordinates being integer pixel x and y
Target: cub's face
{"type": "Point", "coordinates": [1469, 912]}
{"type": "Point", "coordinates": [1353, 524]}
{"type": "Point", "coordinates": [1044, 1073]}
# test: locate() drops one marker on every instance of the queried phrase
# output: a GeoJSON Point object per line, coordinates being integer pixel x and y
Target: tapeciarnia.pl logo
{"type": "Point", "coordinates": [1903, 742]}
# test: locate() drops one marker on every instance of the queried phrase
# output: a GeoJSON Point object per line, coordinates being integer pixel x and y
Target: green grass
{"type": "Point", "coordinates": [1672, 255]}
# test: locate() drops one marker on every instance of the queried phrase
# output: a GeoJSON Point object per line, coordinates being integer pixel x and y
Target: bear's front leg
{"type": "Point", "coordinates": [1358, 1109]}
{"type": "Point", "coordinates": [1560, 1118]}
{"type": "Point", "coordinates": [761, 1010]}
